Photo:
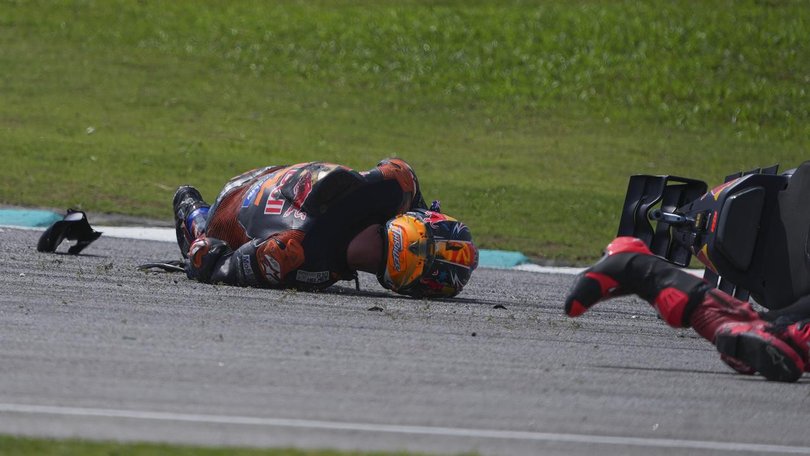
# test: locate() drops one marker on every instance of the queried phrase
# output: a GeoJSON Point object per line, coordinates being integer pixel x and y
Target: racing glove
{"type": "Point", "coordinates": [205, 256]}
{"type": "Point", "coordinates": [257, 263]}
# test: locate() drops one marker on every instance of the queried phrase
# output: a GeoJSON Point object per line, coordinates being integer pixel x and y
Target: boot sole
{"type": "Point", "coordinates": [183, 193]}
{"type": "Point", "coordinates": [760, 354]}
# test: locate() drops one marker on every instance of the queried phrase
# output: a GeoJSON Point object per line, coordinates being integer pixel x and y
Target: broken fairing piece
{"type": "Point", "coordinates": [74, 227]}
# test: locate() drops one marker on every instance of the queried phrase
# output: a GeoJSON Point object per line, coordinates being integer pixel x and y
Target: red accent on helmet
{"type": "Point", "coordinates": [433, 218]}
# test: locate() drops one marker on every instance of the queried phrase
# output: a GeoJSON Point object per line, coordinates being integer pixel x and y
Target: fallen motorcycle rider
{"type": "Point", "coordinates": [751, 233]}
{"type": "Point", "coordinates": [309, 225]}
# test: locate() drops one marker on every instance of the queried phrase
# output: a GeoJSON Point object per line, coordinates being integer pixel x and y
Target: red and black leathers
{"type": "Point", "coordinates": [746, 341]}
{"type": "Point", "coordinates": [290, 226]}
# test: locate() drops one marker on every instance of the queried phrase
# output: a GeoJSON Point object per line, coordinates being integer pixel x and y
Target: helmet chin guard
{"type": "Point", "coordinates": [427, 254]}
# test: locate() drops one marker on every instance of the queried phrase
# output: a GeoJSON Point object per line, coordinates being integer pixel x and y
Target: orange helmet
{"type": "Point", "coordinates": [427, 254]}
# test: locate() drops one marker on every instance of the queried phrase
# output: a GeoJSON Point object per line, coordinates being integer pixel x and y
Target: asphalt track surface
{"type": "Point", "coordinates": [91, 347]}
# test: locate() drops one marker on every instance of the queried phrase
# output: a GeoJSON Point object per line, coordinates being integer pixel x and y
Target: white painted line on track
{"type": "Point", "coordinates": [138, 232]}
{"type": "Point", "coordinates": [168, 235]}
{"type": "Point", "coordinates": [548, 269]}
{"type": "Point", "coordinates": [397, 429]}
{"type": "Point", "coordinates": [143, 233]}
{"type": "Point", "coordinates": [30, 228]}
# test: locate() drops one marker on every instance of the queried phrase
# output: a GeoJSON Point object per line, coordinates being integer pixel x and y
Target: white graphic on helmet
{"type": "Point", "coordinates": [396, 249]}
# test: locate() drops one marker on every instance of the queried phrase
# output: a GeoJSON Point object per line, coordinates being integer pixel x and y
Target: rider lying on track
{"type": "Point", "coordinates": [309, 225]}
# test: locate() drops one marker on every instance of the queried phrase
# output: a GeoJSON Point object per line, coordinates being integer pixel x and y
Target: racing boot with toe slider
{"type": "Point", "coordinates": [778, 352]}
{"type": "Point", "coordinates": [190, 215]}
{"type": "Point", "coordinates": [682, 300]}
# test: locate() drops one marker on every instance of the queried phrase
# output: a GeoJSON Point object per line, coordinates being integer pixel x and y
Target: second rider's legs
{"type": "Point", "coordinates": [745, 340]}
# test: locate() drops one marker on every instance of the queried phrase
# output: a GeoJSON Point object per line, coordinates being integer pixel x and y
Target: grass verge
{"type": "Point", "coordinates": [525, 117]}
{"type": "Point", "coordinates": [25, 446]}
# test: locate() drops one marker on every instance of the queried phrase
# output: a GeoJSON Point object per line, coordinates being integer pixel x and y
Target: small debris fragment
{"type": "Point", "coordinates": [22, 274]}
{"type": "Point", "coordinates": [499, 306]}
{"type": "Point", "coordinates": [376, 309]}
{"type": "Point", "coordinates": [473, 334]}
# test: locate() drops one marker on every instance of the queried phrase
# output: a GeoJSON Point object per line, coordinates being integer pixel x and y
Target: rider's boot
{"type": "Point", "coordinates": [682, 300]}
{"type": "Point", "coordinates": [190, 214]}
{"type": "Point", "coordinates": [777, 351]}
{"type": "Point", "coordinates": [629, 267]}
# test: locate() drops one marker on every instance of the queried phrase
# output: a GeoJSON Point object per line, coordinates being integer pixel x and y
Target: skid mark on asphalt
{"type": "Point", "coordinates": [396, 429]}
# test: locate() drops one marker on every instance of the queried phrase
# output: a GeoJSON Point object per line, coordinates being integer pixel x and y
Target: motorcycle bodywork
{"type": "Point", "coordinates": [751, 232]}
{"type": "Point", "coordinates": [73, 227]}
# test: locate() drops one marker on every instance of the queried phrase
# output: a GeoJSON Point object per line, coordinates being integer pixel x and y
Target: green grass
{"type": "Point", "coordinates": [525, 117]}
{"type": "Point", "coordinates": [24, 446]}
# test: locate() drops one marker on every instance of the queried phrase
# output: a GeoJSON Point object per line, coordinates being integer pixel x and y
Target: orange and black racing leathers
{"type": "Point", "coordinates": [290, 226]}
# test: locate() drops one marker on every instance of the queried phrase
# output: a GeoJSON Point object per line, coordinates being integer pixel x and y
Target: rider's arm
{"type": "Point", "coordinates": [257, 263]}
{"type": "Point", "coordinates": [399, 170]}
